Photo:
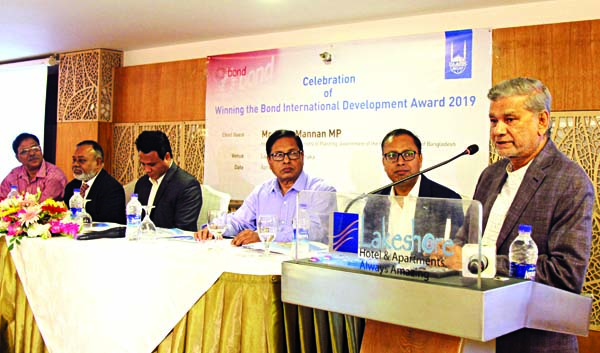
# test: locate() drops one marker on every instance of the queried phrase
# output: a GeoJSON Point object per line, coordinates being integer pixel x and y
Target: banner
{"type": "Point", "coordinates": [342, 99]}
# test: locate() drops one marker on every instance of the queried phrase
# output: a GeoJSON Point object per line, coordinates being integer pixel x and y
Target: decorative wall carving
{"type": "Point", "coordinates": [86, 85]}
{"type": "Point", "coordinates": [187, 143]}
{"type": "Point", "coordinates": [577, 134]}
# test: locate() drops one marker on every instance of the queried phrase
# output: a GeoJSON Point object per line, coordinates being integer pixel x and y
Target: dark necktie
{"type": "Point", "coordinates": [84, 187]}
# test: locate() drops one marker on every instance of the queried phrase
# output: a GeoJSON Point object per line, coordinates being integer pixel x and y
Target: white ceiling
{"type": "Point", "coordinates": [30, 28]}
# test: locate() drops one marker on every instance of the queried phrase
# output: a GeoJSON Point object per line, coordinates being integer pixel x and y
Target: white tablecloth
{"type": "Point", "coordinates": [115, 295]}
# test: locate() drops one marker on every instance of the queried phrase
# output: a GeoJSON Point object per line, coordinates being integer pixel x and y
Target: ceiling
{"type": "Point", "coordinates": [30, 28]}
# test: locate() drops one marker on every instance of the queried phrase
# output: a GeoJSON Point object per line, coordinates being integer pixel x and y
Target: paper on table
{"type": "Point", "coordinates": [175, 234]}
{"type": "Point", "coordinates": [286, 248]}
{"type": "Point", "coordinates": [279, 248]}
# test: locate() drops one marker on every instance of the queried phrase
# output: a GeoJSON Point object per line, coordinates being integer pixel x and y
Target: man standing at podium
{"type": "Point", "coordinates": [538, 185]}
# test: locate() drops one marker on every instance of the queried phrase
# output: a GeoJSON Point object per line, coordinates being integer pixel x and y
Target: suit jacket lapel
{"type": "Point", "coordinates": [95, 186]}
{"type": "Point", "coordinates": [531, 182]}
{"type": "Point", "coordinates": [164, 184]}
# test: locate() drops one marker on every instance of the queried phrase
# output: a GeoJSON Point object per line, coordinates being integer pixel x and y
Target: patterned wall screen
{"type": "Point", "coordinates": [187, 143]}
{"type": "Point", "coordinates": [86, 83]}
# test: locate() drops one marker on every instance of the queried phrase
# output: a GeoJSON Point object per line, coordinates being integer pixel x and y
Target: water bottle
{"type": "Point", "coordinates": [13, 192]}
{"type": "Point", "coordinates": [75, 203]}
{"type": "Point", "coordinates": [302, 231]}
{"type": "Point", "coordinates": [134, 217]}
{"type": "Point", "coordinates": [523, 254]}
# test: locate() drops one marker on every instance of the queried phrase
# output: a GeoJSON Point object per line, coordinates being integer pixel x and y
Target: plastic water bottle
{"type": "Point", "coordinates": [134, 218]}
{"type": "Point", "coordinates": [75, 203]}
{"type": "Point", "coordinates": [302, 232]}
{"type": "Point", "coordinates": [13, 192]}
{"type": "Point", "coordinates": [523, 254]}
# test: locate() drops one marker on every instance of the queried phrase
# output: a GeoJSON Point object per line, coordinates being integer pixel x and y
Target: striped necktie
{"type": "Point", "coordinates": [84, 187]}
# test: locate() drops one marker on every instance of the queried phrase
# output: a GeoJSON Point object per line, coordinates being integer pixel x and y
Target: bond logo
{"type": "Point", "coordinates": [458, 63]}
{"type": "Point", "coordinates": [458, 59]}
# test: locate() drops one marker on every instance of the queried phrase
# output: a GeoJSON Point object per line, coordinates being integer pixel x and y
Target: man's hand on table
{"type": "Point", "coordinates": [244, 237]}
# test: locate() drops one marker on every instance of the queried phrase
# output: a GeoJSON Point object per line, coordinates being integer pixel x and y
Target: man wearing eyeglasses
{"type": "Point", "coordinates": [277, 197]}
{"type": "Point", "coordinates": [34, 172]}
{"type": "Point", "coordinates": [401, 157]}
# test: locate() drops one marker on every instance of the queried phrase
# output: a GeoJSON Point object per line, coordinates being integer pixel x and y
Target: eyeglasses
{"type": "Point", "coordinates": [26, 151]}
{"type": "Point", "coordinates": [279, 156]}
{"type": "Point", "coordinates": [393, 156]}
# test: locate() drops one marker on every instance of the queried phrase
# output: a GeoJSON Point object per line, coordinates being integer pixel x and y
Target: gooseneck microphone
{"type": "Point", "coordinates": [471, 150]}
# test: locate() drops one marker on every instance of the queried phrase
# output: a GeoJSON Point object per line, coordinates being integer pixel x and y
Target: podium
{"type": "Point", "coordinates": [452, 306]}
{"type": "Point", "coordinates": [395, 261]}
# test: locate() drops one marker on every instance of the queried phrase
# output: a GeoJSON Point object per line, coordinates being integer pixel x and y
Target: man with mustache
{"type": "Point", "coordinates": [105, 194]}
{"type": "Point", "coordinates": [535, 184]}
{"type": "Point", "coordinates": [34, 172]}
{"type": "Point", "coordinates": [285, 155]}
{"type": "Point", "coordinates": [175, 194]}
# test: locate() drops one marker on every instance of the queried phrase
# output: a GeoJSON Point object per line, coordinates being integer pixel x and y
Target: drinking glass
{"type": "Point", "coordinates": [147, 227]}
{"type": "Point", "coordinates": [85, 218]}
{"type": "Point", "coordinates": [217, 223]}
{"type": "Point", "coordinates": [267, 228]}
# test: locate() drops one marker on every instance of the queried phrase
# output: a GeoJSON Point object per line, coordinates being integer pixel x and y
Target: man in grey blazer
{"type": "Point", "coordinates": [175, 193]}
{"type": "Point", "coordinates": [538, 185]}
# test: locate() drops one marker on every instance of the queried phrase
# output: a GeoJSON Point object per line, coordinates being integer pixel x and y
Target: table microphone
{"type": "Point", "coordinates": [471, 150]}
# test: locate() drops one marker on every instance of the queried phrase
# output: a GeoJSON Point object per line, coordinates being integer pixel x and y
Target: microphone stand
{"type": "Point", "coordinates": [406, 178]}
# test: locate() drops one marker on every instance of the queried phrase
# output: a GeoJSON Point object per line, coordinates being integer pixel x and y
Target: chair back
{"type": "Point", "coordinates": [129, 187]}
{"type": "Point", "coordinates": [212, 199]}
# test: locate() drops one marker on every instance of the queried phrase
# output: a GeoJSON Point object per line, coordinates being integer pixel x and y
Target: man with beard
{"type": "Point", "coordinates": [34, 172]}
{"type": "Point", "coordinates": [105, 194]}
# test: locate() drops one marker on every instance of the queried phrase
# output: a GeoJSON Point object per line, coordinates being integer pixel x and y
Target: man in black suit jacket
{"type": "Point", "coordinates": [105, 194]}
{"type": "Point", "coordinates": [175, 193]}
{"type": "Point", "coordinates": [402, 157]}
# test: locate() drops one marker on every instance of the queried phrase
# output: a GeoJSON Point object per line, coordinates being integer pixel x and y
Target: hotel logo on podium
{"type": "Point", "coordinates": [345, 230]}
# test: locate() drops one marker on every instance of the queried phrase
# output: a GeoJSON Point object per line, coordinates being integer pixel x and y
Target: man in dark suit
{"type": "Point", "coordinates": [538, 185]}
{"type": "Point", "coordinates": [105, 194]}
{"type": "Point", "coordinates": [401, 150]}
{"type": "Point", "coordinates": [175, 193]}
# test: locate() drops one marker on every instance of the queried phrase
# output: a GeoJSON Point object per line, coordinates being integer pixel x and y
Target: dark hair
{"type": "Point", "coordinates": [280, 134]}
{"type": "Point", "coordinates": [95, 146]}
{"type": "Point", "coordinates": [157, 141]}
{"type": "Point", "coordinates": [21, 138]}
{"type": "Point", "coordinates": [400, 132]}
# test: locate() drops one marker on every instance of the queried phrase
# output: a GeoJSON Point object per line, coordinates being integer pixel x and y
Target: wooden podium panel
{"type": "Point", "coordinates": [382, 337]}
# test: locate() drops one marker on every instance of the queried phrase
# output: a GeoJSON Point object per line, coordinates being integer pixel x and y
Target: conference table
{"type": "Point", "coordinates": [166, 295]}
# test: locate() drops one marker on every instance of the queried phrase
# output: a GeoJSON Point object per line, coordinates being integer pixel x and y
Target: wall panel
{"type": "Point", "coordinates": [173, 91]}
{"type": "Point", "coordinates": [70, 134]}
{"type": "Point", "coordinates": [563, 55]}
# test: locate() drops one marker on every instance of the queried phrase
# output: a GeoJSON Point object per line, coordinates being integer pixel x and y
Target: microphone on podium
{"type": "Point", "coordinates": [471, 150]}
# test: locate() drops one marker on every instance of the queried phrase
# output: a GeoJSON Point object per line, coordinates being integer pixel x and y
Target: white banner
{"type": "Point", "coordinates": [342, 99]}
